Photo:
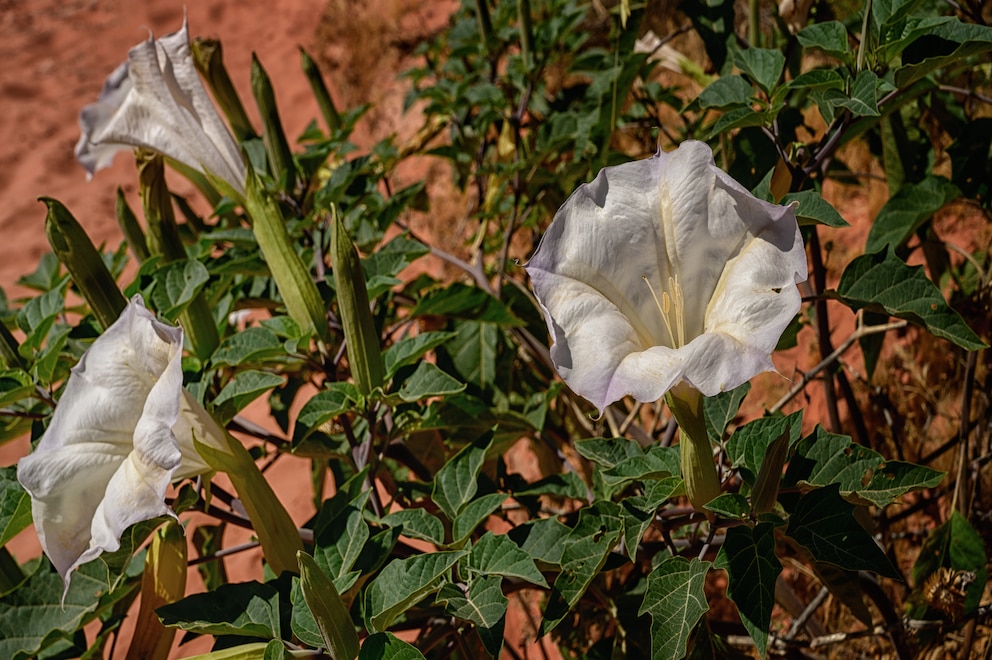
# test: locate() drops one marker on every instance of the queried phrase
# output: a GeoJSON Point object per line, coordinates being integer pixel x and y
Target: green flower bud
{"type": "Point", "coordinates": [280, 157]}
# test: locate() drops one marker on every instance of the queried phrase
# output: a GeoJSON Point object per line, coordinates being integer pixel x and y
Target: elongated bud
{"type": "Point", "coordinates": [327, 108]}
{"type": "Point", "coordinates": [770, 475]}
{"type": "Point", "coordinates": [74, 249]}
{"type": "Point", "coordinates": [208, 57]}
{"type": "Point", "coordinates": [163, 582]}
{"type": "Point", "coordinates": [163, 238]}
{"type": "Point", "coordinates": [328, 609]}
{"type": "Point", "coordinates": [698, 469]}
{"type": "Point", "coordinates": [364, 354]}
{"type": "Point", "coordinates": [128, 222]}
{"type": "Point", "coordinates": [293, 279]}
{"type": "Point", "coordinates": [280, 157]}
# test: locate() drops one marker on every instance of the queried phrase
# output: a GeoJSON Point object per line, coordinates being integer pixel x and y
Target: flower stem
{"type": "Point", "coordinates": [698, 469]}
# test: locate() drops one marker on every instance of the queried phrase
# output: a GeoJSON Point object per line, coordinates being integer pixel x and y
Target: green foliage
{"type": "Point", "coordinates": [413, 398]}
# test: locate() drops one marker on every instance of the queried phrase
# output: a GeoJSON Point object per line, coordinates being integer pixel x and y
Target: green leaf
{"type": "Point", "coordinates": [460, 301]}
{"type": "Point", "coordinates": [864, 476]}
{"type": "Point", "coordinates": [739, 118]}
{"type": "Point", "coordinates": [302, 621]}
{"type": "Point", "coordinates": [387, 646]}
{"type": "Point", "coordinates": [726, 91]}
{"type": "Point", "coordinates": [881, 282]}
{"type": "Point", "coordinates": [955, 545]}
{"type": "Point", "coordinates": [497, 555]}
{"type": "Point", "coordinates": [402, 583]}
{"type": "Point", "coordinates": [543, 540]}
{"type": "Point", "coordinates": [676, 602]}
{"type": "Point", "coordinates": [15, 384]}
{"type": "Point", "coordinates": [748, 556]}
{"type": "Point", "coordinates": [608, 452]}
{"type": "Point", "coordinates": [568, 484]}
{"type": "Point", "coordinates": [817, 79]}
{"type": "Point", "coordinates": [762, 65]}
{"type": "Point", "coordinates": [747, 446]}
{"type": "Point", "coordinates": [245, 387]}
{"type": "Point", "coordinates": [730, 505]}
{"type": "Point", "coordinates": [15, 505]}
{"type": "Point", "coordinates": [585, 551]}
{"type": "Point", "coordinates": [456, 483]}
{"type": "Point", "coordinates": [473, 351]}
{"type": "Point", "coordinates": [336, 399]}
{"type": "Point", "coordinates": [812, 209]}
{"type": "Point", "coordinates": [907, 210]}
{"type": "Point", "coordinates": [824, 524]}
{"type": "Point", "coordinates": [176, 285]}
{"type": "Point", "coordinates": [247, 609]}
{"type": "Point", "coordinates": [251, 345]}
{"type": "Point", "coordinates": [329, 611]}
{"type": "Point", "coordinates": [426, 381]}
{"type": "Point", "coordinates": [658, 463]}
{"type": "Point", "coordinates": [417, 523]}
{"type": "Point", "coordinates": [410, 349]}
{"type": "Point", "coordinates": [339, 542]}
{"type": "Point", "coordinates": [830, 37]}
{"type": "Point", "coordinates": [944, 44]}
{"type": "Point", "coordinates": [720, 410]}
{"type": "Point", "coordinates": [474, 513]}
{"type": "Point", "coordinates": [482, 604]}
{"type": "Point", "coordinates": [863, 101]}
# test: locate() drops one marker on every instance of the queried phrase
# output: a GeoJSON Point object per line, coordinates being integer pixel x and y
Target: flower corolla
{"type": "Point", "coordinates": [666, 271]}
{"type": "Point", "coordinates": [121, 433]}
{"type": "Point", "coordinates": [156, 101]}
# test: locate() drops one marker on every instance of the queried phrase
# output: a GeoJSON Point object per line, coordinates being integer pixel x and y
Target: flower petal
{"type": "Point", "coordinates": [156, 101]}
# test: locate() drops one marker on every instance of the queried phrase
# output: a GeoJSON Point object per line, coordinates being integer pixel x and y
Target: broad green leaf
{"type": "Point", "coordinates": [863, 101]}
{"type": "Point", "coordinates": [676, 602]}
{"type": "Point", "coordinates": [254, 651]}
{"type": "Point", "coordinates": [635, 523]}
{"type": "Point", "coordinates": [882, 282]}
{"type": "Point", "coordinates": [955, 545]}
{"type": "Point", "coordinates": [460, 301]}
{"type": "Point", "coordinates": [418, 524]}
{"type": "Point", "coordinates": [762, 65]}
{"type": "Point", "coordinates": [720, 410]}
{"type": "Point", "coordinates": [746, 447]}
{"type": "Point", "coordinates": [482, 604]}
{"type": "Point", "coordinates": [473, 514]}
{"type": "Point", "coordinates": [585, 551]}
{"type": "Point", "coordinates": [726, 91]}
{"type": "Point", "coordinates": [251, 345]}
{"type": "Point", "coordinates": [387, 646]}
{"type": "Point", "coordinates": [830, 37]}
{"type": "Point", "coordinates": [456, 483]}
{"type": "Point", "coordinates": [473, 351]}
{"type": "Point", "coordinates": [38, 316]}
{"type": "Point", "coordinates": [907, 210]}
{"type": "Point", "coordinates": [944, 44]}
{"type": "Point", "coordinates": [730, 505]}
{"type": "Point", "coordinates": [247, 609]}
{"type": "Point", "coordinates": [338, 543]}
{"type": "Point", "coordinates": [657, 463]}
{"type": "Point", "coordinates": [748, 556]}
{"type": "Point", "coordinates": [817, 79]}
{"type": "Point", "coordinates": [336, 399]}
{"type": "Point", "coordinates": [329, 611]}
{"type": "Point", "coordinates": [15, 505]}
{"type": "Point", "coordinates": [824, 524]}
{"type": "Point", "coordinates": [812, 209]}
{"type": "Point", "coordinates": [864, 476]}
{"type": "Point", "coordinates": [542, 539]}
{"type": "Point", "coordinates": [844, 586]}
{"type": "Point", "coordinates": [568, 485]}
{"type": "Point", "coordinates": [402, 583]}
{"type": "Point", "coordinates": [739, 118]}
{"type": "Point", "coordinates": [15, 384]}
{"type": "Point", "coordinates": [496, 554]}
{"type": "Point", "coordinates": [176, 285]}
{"type": "Point", "coordinates": [302, 621]}
{"type": "Point", "coordinates": [656, 493]}
{"type": "Point", "coordinates": [245, 387]}
{"type": "Point", "coordinates": [608, 452]}
{"type": "Point", "coordinates": [426, 381]}
{"type": "Point", "coordinates": [409, 350]}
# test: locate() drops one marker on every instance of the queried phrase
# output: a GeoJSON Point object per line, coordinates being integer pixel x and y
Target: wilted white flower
{"type": "Point", "coordinates": [663, 271]}
{"type": "Point", "coordinates": [155, 101]}
{"type": "Point", "coordinates": [121, 433]}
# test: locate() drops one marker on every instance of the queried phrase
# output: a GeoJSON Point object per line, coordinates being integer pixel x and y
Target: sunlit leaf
{"type": "Point", "coordinates": [675, 601]}
{"type": "Point", "coordinates": [402, 583]}
{"type": "Point", "coordinates": [748, 556]}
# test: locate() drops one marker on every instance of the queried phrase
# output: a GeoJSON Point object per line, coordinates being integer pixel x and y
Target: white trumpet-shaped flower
{"type": "Point", "coordinates": [121, 433]}
{"type": "Point", "coordinates": [666, 271]}
{"type": "Point", "coordinates": [155, 101]}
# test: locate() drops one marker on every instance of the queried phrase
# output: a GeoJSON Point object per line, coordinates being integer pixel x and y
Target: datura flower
{"type": "Point", "coordinates": [155, 101]}
{"type": "Point", "coordinates": [121, 433]}
{"type": "Point", "coordinates": [666, 276]}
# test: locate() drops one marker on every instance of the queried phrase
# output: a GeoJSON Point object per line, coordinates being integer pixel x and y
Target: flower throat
{"type": "Point", "coordinates": [671, 306]}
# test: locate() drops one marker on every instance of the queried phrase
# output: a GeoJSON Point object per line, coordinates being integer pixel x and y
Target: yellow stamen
{"type": "Point", "coordinates": [671, 307]}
